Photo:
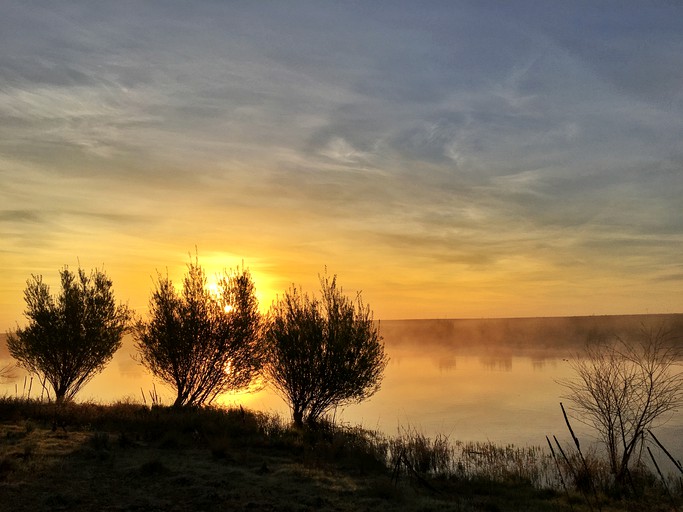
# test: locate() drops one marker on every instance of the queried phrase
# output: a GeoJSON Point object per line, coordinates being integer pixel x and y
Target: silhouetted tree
{"type": "Point", "coordinates": [324, 352]}
{"type": "Point", "coordinates": [622, 388]}
{"type": "Point", "coordinates": [70, 338]}
{"type": "Point", "coordinates": [200, 343]}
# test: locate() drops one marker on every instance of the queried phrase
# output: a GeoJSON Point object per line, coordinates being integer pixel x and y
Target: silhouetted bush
{"type": "Point", "coordinates": [70, 338]}
{"type": "Point", "coordinates": [324, 352]}
{"type": "Point", "coordinates": [199, 343]}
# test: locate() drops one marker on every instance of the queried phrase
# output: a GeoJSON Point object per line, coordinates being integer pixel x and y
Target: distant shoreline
{"type": "Point", "coordinates": [559, 317]}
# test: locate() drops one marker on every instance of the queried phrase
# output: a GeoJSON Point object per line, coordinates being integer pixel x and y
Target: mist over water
{"type": "Point", "coordinates": [473, 380]}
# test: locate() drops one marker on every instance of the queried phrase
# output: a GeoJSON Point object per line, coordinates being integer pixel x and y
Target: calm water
{"type": "Point", "coordinates": [473, 380]}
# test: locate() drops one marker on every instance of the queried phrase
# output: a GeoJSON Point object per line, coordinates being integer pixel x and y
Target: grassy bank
{"type": "Point", "coordinates": [127, 456]}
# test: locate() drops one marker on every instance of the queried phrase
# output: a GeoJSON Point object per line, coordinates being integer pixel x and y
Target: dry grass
{"type": "Point", "coordinates": [127, 456]}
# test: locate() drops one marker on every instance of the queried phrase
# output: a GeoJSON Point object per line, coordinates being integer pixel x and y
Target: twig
{"type": "Point", "coordinates": [659, 472]}
{"type": "Point", "coordinates": [559, 472]}
{"type": "Point", "coordinates": [574, 473]}
{"type": "Point", "coordinates": [677, 463]}
{"type": "Point", "coordinates": [583, 459]}
{"type": "Point", "coordinates": [571, 430]}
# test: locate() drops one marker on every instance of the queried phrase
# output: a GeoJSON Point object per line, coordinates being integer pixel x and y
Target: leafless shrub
{"type": "Point", "coordinates": [623, 388]}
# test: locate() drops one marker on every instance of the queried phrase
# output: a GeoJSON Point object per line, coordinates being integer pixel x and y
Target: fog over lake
{"type": "Point", "coordinates": [473, 380]}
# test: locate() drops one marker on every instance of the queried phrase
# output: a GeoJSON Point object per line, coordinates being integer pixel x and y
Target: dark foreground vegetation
{"type": "Point", "coordinates": [127, 456]}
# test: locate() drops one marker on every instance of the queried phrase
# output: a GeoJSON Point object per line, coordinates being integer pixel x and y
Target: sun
{"type": "Point", "coordinates": [217, 264]}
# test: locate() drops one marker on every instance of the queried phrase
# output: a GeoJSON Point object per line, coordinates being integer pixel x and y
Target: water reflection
{"type": "Point", "coordinates": [447, 363]}
{"type": "Point", "coordinates": [538, 364]}
{"type": "Point", "coordinates": [496, 363]}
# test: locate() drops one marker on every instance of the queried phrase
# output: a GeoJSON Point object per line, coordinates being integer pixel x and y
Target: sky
{"type": "Point", "coordinates": [447, 159]}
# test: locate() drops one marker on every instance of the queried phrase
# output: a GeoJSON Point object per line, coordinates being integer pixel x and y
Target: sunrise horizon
{"type": "Point", "coordinates": [308, 284]}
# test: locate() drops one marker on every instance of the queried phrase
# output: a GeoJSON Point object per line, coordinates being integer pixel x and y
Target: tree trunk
{"type": "Point", "coordinates": [298, 417]}
{"type": "Point", "coordinates": [60, 395]}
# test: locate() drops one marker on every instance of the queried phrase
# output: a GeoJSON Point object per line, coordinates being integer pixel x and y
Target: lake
{"type": "Point", "coordinates": [473, 380]}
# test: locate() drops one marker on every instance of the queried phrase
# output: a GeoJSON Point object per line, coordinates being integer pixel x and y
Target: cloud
{"type": "Point", "coordinates": [20, 216]}
{"type": "Point", "coordinates": [471, 136]}
{"type": "Point", "coordinates": [339, 149]}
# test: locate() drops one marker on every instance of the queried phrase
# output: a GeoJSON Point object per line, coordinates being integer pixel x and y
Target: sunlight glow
{"type": "Point", "coordinates": [213, 289]}
{"type": "Point", "coordinates": [218, 263]}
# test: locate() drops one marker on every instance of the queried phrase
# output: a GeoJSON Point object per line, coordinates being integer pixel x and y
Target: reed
{"type": "Point", "coordinates": [507, 463]}
{"type": "Point", "coordinates": [413, 454]}
{"type": "Point", "coordinates": [420, 455]}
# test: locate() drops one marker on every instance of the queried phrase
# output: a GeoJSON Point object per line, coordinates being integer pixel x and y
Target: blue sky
{"type": "Point", "coordinates": [450, 159]}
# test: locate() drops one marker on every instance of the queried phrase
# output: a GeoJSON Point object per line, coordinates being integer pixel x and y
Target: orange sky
{"type": "Point", "coordinates": [447, 160]}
